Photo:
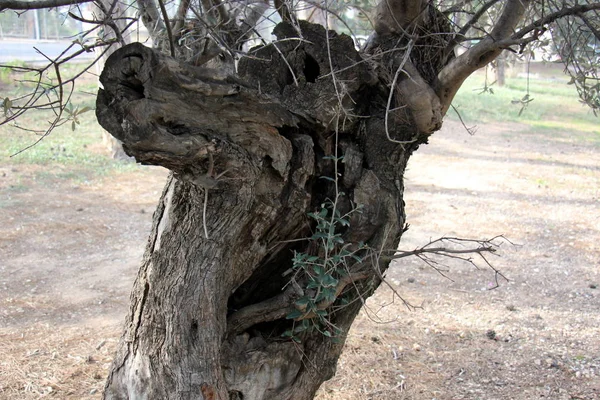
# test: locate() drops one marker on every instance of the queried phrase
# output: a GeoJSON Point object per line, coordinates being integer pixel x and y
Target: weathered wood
{"type": "Point", "coordinates": [208, 311]}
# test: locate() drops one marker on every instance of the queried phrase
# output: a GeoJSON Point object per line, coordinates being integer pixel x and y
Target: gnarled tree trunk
{"type": "Point", "coordinates": [218, 295]}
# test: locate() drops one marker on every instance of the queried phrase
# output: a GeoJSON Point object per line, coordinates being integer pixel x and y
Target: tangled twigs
{"type": "Point", "coordinates": [459, 249]}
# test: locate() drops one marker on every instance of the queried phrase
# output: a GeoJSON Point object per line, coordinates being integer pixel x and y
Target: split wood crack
{"type": "Point", "coordinates": [207, 181]}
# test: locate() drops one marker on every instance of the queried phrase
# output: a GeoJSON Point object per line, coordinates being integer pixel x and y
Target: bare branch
{"type": "Point", "coordinates": [37, 4]}
{"type": "Point", "coordinates": [482, 10]}
{"type": "Point", "coordinates": [179, 19]}
{"type": "Point", "coordinates": [540, 23]}
{"type": "Point", "coordinates": [458, 7]}
{"type": "Point", "coordinates": [271, 309]}
{"type": "Point", "coordinates": [224, 17]}
{"type": "Point", "coordinates": [252, 13]}
{"type": "Point", "coordinates": [108, 18]}
{"type": "Point", "coordinates": [165, 15]}
{"type": "Point", "coordinates": [590, 26]}
{"type": "Point", "coordinates": [283, 10]}
{"type": "Point", "coordinates": [458, 249]}
{"type": "Point", "coordinates": [443, 251]}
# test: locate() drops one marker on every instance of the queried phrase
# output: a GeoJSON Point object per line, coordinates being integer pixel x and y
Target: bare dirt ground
{"type": "Point", "coordinates": [69, 253]}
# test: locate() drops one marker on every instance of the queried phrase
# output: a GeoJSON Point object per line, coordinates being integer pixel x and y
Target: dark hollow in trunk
{"type": "Point", "coordinates": [219, 308]}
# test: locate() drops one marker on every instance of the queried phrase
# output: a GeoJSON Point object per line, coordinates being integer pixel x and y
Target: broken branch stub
{"type": "Point", "coordinates": [171, 114]}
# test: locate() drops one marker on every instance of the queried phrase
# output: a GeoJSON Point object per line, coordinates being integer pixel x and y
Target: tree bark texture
{"type": "Point", "coordinates": [252, 154]}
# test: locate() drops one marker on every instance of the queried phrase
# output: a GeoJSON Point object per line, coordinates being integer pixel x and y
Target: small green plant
{"type": "Point", "coordinates": [324, 275]}
{"type": "Point", "coordinates": [73, 114]}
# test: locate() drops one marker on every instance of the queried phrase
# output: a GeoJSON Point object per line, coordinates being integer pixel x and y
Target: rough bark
{"type": "Point", "coordinates": [248, 154]}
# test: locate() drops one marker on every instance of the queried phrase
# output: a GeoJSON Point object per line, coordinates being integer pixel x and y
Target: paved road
{"type": "Point", "coordinates": [23, 50]}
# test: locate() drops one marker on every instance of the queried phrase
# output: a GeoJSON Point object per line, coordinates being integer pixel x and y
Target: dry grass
{"type": "Point", "coordinates": [55, 362]}
{"type": "Point", "coordinates": [536, 337]}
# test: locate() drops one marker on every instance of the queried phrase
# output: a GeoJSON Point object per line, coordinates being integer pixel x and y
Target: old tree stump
{"type": "Point", "coordinates": [286, 190]}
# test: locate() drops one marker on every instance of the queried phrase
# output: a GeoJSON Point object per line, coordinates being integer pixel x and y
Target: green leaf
{"type": "Point", "coordinates": [73, 126]}
{"type": "Point", "coordinates": [312, 285]}
{"type": "Point", "coordinates": [302, 302]}
{"type": "Point", "coordinates": [299, 257]}
{"type": "Point", "coordinates": [357, 258]}
{"type": "Point", "coordinates": [329, 281]}
{"type": "Point", "coordinates": [7, 105]}
{"type": "Point", "coordinates": [326, 294]}
{"type": "Point", "coordinates": [318, 269]}
{"type": "Point", "coordinates": [323, 225]}
{"type": "Point", "coordinates": [338, 239]}
{"type": "Point", "coordinates": [319, 235]}
{"type": "Point", "coordinates": [301, 327]}
{"type": "Point", "coordinates": [343, 221]}
{"type": "Point", "coordinates": [313, 216]}
{"type": "Point", "coordinates": [294, 314]}
{"type": "Point", "coordinates": [84, 109]}
{"type": "Point", "coordinates": [327, 333]}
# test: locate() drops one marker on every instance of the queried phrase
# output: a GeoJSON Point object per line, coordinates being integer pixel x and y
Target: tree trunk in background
{"type": "Point", "coordinates": [114, 146]}
{"type": "Point", "coordinates": [500, 70]}
{"type": "Point", "coordinates": [251, 156]}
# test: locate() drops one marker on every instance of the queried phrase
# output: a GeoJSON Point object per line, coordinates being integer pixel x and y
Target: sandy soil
{"type": "Point", "coordinates": [69, 253]}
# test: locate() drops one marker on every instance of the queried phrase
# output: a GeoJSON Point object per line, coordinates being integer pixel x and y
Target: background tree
{"type": "Point", "coordinates": [285, 206]}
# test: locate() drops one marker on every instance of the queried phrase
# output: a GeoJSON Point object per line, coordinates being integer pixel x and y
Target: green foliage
{"type": "Point", "coordinates": [73, 114]}
{"type": "Point", "coordinates": [546, 104]}
{"type": "Point", "coordinates": [7, 71]}
{"type": "Point", "coordinates": [321, 273]}
{"type": "Point", "coordinates": [67, 154]}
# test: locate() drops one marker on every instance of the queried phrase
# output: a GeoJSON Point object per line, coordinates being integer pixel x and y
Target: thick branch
{"type": "Point", "coordinates": [453, 75]}
{"type": "Point", "coordinates": [179, 20]}
{"type": "Point", "coordinates": [37, 4]}
{"type": "Point", "coordinates": [423, 102]}
{"type": "Point", "coordinates": [512, 14]}
{"type": "Point", "coordinates": [252, 13]}
{"type": "Point", "coordinates": [151, 19]}
{"type": "Point", "coordinates": [269, 310]}
{"type": "Point", "coordinates": [398, 16]}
